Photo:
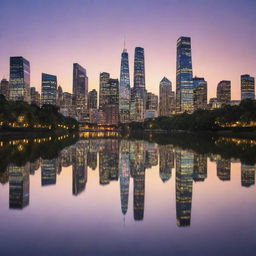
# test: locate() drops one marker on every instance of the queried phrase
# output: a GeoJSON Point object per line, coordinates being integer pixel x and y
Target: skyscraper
{"type": "Point", "coordinates": [138, 93]}
{"type": "Point", "coordinates": [4, 88]}
{"type": "Point", "coordinates": [49, 89]}
{"type": "Point", "coordinates": [92, 99]}
{"type": "Point", "coordinates": [184, 76]}
{"type": "Point", "coordinates": [167, 98]}
{"type": "Point", "coordinates": [247, 87]}
{"type": "Point", "coordinates": [151, 105]}
{"type": "Point", "coordinates": [19, 79]}
{"type": "Point", "coordinates": [80, 91]}
{"type": "Point", "coordinates": [125, 89]}
{"type": "Point", "coordinates": [200, 93]}
{"type": "Point", "coordinates": [224, 92]}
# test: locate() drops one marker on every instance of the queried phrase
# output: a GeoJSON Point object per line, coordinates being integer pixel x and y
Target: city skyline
{"type": "Point", "coordinates": [211, 54]}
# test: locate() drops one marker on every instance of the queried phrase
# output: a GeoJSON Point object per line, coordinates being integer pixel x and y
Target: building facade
{"type": "Point", "coordinates": [35, 96]}
{"type": "Point", "coordinates": [224, 92]}
{"type": "Point", "coordinates": [19, 79]}
{"type": "Point", "coordinates": [49, 89]}
{"type": "Point", "coordinates": [4, 88]}
{"type": "Point", "coordinates": [247, 87]}
{"type": "Point", "coordinates": [184, 76]}
{"type": "Point", "coordinates": [200, 93]}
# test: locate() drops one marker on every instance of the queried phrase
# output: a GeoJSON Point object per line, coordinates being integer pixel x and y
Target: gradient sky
{"type": "Point", "coordinates": [52, 34]}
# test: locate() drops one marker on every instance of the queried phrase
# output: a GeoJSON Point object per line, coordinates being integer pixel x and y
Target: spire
{"type": "Point", "coordinates": [124, 50]}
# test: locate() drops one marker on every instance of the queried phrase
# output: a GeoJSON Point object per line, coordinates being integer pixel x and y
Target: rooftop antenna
{"type": "Point", "coordinates": [125, 50]}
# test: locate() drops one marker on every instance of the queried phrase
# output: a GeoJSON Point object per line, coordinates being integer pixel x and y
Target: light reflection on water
{"type": "Point", "coordinates": [113, 196]}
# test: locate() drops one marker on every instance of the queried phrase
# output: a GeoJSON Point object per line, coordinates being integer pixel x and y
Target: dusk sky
{"type": "Point", "coordinates": [53, 34]}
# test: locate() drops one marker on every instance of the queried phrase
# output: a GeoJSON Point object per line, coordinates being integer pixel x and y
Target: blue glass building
{"type": "Point", "coordinates": [125, 89]}
{"type": "Point", "coordinates": [19, 79]}
{"type": "Point", "coordinates": [49, 89]}
{"type": "Point", "coordinates": [184, 76]}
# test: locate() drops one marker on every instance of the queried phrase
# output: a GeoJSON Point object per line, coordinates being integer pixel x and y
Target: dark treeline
{"type": "Point", "coordinates": [227, 117]}
{"type": "Point", "coordinates": [19, 115]}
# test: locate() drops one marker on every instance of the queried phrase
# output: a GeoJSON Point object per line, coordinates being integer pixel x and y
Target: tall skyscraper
{"type": "Point", "coordinates": [49, 89]}
{"type": "Point", "coordinates": [80, 91]}
{"type": "Point", "coordinates": [184, 76]}
{"type": "Point", "coordinates": [200, 93]}
{"type": "Point", "coordinates": [138, 93]}
{"type": "Point", "coordinates": [125, 89]}
{"type": "Point", "coordinates": [4, 88]}
{"type": "Point", "coordinates": [35, 96]}
{"type": "Point", "coordinates": [247, 87]}
{"type": "Point", "coordinates": [19, 79]}
{"type": "Point", "coordinates": [167, 98]}
{"type": "Point", "coordinates": [224, 92]}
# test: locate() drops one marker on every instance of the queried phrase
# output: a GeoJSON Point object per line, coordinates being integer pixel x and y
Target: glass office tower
{"type": "Point", "coordinates": [19, 79]}
{"type": "Point", "coordinates": [184, 76]}
{"type": "Point", "coordinates": [49, 89]}
{"type": "Point", "coordinates": [247, 87]}
{"type": "Point", "coordinates": [125, 89]}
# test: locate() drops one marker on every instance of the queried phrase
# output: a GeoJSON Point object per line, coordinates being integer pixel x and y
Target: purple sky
{"type": "Point", "coordinates": [52, 34]}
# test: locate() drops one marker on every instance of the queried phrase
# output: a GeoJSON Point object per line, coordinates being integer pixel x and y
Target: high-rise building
{"type": "Point", "coordinates": [167, 98]}
{"type": "Point", "coordinates": [247, 87]}
{"type": "Point", "coordinates": [223, 169]}
{"type": "Point", "coordinates": [224, 92]}
{"type": "Point", "coordinates": [80, 91]}
{"type": "Point", "coordinates": [138, 93]}
{"type": "Point", "coordinates": [200, 93]}
{"type": "Point", "coordinates": [19, 79]}
{"type": "Point", "coordinates": [92, 99]}
{"type": "Point", "coordinates": [49, 89]}
{"type": "Point", "coordinates": [166, 158]}
{"type": "Point", "coordinates": [184, 76]}
{"type": "Point", "coordinates": [59, 96]}
{"type": "Point", "coordinates": [247, 175]}
{"type": "Point", "coordinates": [151, 105]}
{"type": "Point", "coordinates": [35, 96]}
{"type": "Point", "coordinates": [49, 171]}
{"type": "Point", "coordinates": [109, 98]}
{"type": "Point", "coordinates": [4, 88]}
{"type": "Point", "coordinates": [125, 89]}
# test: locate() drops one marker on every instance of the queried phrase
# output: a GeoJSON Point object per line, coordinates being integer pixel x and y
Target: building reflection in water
{"type": "Point", "coordinates": [124, 160]}
{"type": "Point", "coordinates": [18, 186]}
{"type": "Point", "coordinates": [184, 184]}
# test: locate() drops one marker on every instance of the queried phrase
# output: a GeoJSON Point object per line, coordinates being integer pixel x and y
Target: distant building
{"type": "Point", "coordinates": [167, 98]}
{"type": "Point", "coordinates": [151, 105]}
{"type": "Point", "coordinates": [223, 169]}
{"type": "Point", "coordinates": [92, 99]}
{"type": "Point", "coordinates": [19, 79]}
{"type": "Point", "coordinates": [224, 92]}
{"type": "Point", "coordinates": [66, 107]}
{"type": "Point", "coordinates": [247, 87]}
{"type": "Point", "coordinates": [59, 96]}
{"type": "Point", "coordinates": [80, 91]}
{"type": "Point", "coordinates": [35, 96]}
{"type": "Point", "coordinates": [200, 93]}
{"type": "Point", "coordinates": [5, 89]}
{"type": "Point", "coordinates": [184, 76]}
{"type": "Point", "coordinates": [214, 103]}
{"type": "Point", "coordinates": [247, 175]}
{"type": "Point", "coordinates": [49, 89]}
{"type": "Point", "coordinates": [125, 89]}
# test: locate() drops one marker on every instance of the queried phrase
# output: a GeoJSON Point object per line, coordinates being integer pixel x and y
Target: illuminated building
{"type": "Point", "coordinates": [167, 98]}
{"type": "Point", "coordinates": [109, 99]}
{"type": "Point", "coordinates": [224, 92]}
{"type": "Point", "coordinates": [80, 91]}
{"type": "Point", "coordinates": [124, 173]}
{"type": "Point", "coordinates": [19, 79]}
{"type": "Point", "coordinates": [66, 107]}
{"type": "Point", "coordinates": [151, 155]}
{"type": "Point", "coordinates": [49, 89]}
{"type": "Point", "coordinates": [184, 76]}
{"type": "Point", "coordinates": [184, 183]}
{"type": "Point", "coordinates": [200, 167]}
{"type": "Point", "coordinates": [166, 156]}
{"type": "Point", "coordinates": [200, 93]}
{"type": "Point", "coordinates": [223, 169]}
{"type": "Point", "coordinates": [151, 105]}
{"type": "Point", "coordinates": [4, 88]}
{"type": "Point", "coordinates": [59, 96]}
{"type": "Point", "coordinates": [48, 172]}
{"type": "Point", "coordinates": [247, 175]}
{"type": "Point", "coordinates": [247, 87]}
{"type": "Point", "coordinates": [79, 167]}
{"type": "Point", "coordinates": [18, 186]}
{"type": "Point", "coordinates": [138, 92]}
{"type": "Point", "coordinates": [125, 89]}
{"type": "Point", "coordinates": [35, 96]}
{"type": "Point", "coordinates": [214, 103]}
